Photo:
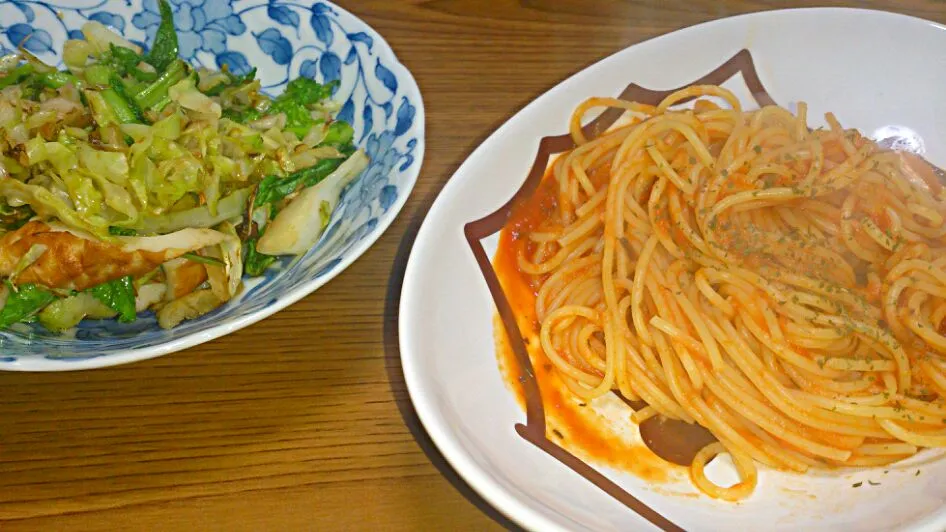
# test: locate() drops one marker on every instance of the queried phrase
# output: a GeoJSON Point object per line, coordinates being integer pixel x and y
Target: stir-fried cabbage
{"type": "Point", "coordinates": [146, 154]}
{"type": "Point", "coordinates": [298, 226]}
{"type": "Point", "coordinates": [67, 312]}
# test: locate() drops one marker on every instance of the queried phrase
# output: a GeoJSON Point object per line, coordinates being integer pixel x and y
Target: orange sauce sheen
{"type": "Point", "coordinates": [571, 423]}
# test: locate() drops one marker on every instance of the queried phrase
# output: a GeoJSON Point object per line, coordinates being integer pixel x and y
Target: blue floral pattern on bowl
{"type": "Point", "coordinates": [283, 40]}
{"type": "Point", "coordinates": [201, 25]}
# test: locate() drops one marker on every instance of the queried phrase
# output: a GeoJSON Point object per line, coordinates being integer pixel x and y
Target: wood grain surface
{"type": "Point", "coordinates": [302, 422]}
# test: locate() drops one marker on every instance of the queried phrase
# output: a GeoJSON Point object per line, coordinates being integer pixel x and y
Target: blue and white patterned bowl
{"type": "Point", "coordinates": [283, 40]}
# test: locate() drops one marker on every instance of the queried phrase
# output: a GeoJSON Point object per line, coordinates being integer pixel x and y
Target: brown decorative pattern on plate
{"type": "Point", "coordinates": [534, 430]}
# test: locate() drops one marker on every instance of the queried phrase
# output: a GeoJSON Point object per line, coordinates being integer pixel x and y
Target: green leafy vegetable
{"type": "Point", "coordinates": [66, 313]}
{"type": "Point", "coordinates": [123, 112]}
{"type": "Point", "coordinates": [155, 95]}
{"type": "Point", "coordinates": [164, 49]}
{"type": "Point", "coordinates": [125, 61]}
{"type": "Point", "coordinates": [13, 218]}
{"type": "Point", "coordinates": [235, 81]}
{"type": "Point", "coordinates": [274, 188]}
{"type": "Point", "coordinates": [307, 92]}
{"type": "Point", "coordinates": [55, 80]}
{"type": "Point", "coordinates": [347, 150]}
{"type": "Point", "coordinates": [32, 88]}
{"type": "Point", "coordinates": [122, 105]}
{"type": "Point", "coordinates": [298, 118]}
{"type": "Point", "coordinates": [301, 93]}
{"type": "Point", "coordinates": [121, 88]}
{"type": "Point", "coordinates": [211, 261]}
{"type": "Point", "coordinates": [124, 58]}
{"type": "Point", "coordinates": [339, 133]}
{"type": "Point", "coordinates": [97, 164]}
{"type": "Point", "coordinates": [102, 111]}
{"type": "Point", "coordinates": [99, 74]}
{"type": "Point", "coordinates": [121, 231]}
{"type": "Point", "coordinates": [23, 302]}
{"type": "Point", "coordinates": [255, 262]}
{"type": "Point", "coordinates": [299, 225]}
{"type": "Point", "coordinates": [16, 75]}
{"type": "Point", "coordinates": [216, 89]}
{"type": "Point", "coordinates": [118, 295]}
{"type": "Point", "coordinates": [241, 115]}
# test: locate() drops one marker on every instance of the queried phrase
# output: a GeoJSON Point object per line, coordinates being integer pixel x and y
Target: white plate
{"type": "Point", "coordinates": [872, 69]}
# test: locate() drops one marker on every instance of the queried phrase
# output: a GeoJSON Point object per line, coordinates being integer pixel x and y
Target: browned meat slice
{"type": "Point", "coordinates": [74, 262]}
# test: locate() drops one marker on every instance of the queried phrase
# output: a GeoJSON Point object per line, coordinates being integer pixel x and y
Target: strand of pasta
{"type": "Point", "coordinates": [783, 287]}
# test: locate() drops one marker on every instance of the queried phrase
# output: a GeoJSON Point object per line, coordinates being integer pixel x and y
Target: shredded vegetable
{"type": "Point", "coordinates": [133, 158]}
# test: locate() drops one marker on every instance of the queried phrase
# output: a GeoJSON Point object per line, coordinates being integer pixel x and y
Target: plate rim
{"type": "Point", "coordinates": [446, 441]}
{"type": "Point", "coordinates": [41, 364]}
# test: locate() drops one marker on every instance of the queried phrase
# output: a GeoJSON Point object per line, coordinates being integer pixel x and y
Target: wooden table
{"type": "Point", "coordinates": [302, 422]}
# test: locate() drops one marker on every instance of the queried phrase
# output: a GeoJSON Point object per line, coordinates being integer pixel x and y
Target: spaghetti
{"type": "Point", "coordinates": [781, 286]}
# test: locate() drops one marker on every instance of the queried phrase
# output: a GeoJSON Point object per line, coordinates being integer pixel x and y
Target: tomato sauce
{"type": "Point", "coordinates": [572, 423]}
